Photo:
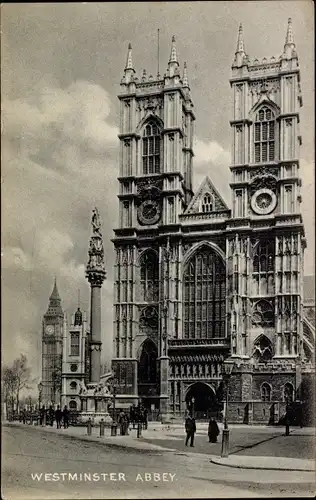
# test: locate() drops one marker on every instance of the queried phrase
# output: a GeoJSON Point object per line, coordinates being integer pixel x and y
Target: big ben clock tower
{"type": "Point", "coordinates": [52, 339]}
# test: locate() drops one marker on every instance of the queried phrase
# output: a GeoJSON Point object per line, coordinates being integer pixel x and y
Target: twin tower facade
{"type": "Point", "coordinates": [195, 281]}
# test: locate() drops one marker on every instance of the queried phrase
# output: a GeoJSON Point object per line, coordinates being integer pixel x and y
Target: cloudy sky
{"type": "Point", "coordinates": [61, 68]}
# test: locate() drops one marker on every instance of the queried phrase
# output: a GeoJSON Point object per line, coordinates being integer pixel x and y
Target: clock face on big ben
{"type": "Point", "coordinates": [49, 330]}
{"type": "Point", "coordinates": [149, 212]}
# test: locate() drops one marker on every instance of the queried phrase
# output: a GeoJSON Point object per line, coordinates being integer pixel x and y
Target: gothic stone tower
{"type": "Point", "coordinates": [156, 136]}
{"type": "Point", "coordinates": [52, 341]}
{"type": "Point", "coordinates": [170, 334]}
{"type": "Point", "coordinates": [265, 237]}
{"type": "Point", "coordinates": [74, 366]}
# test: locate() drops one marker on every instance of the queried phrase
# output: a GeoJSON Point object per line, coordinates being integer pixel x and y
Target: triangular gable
{"type": "Point", "coordinates": [207, 186]}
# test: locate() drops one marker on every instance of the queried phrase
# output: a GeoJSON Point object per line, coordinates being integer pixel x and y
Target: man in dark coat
{"type": "Point", "coordinates": [51, 415]}
{"type": "Point", "coordinates": [41, 413]}
{"type": "Point", "coordinates": [66, 417]}
{"type": "Point", "coordinates": [58, 417]}
{"type": "Point", "coordinates": [213, 431]}
{"type": "Point", "coordinates": [122, 423]}
{"type": "Point", "coordinates": [190, 429]}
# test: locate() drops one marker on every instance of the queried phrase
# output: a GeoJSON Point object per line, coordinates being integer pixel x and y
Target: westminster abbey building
{"type": "Point", "coordinates": [198, 283]}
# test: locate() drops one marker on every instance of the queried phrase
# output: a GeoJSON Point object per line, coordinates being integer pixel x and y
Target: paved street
{"type": "Point", "coordinates": [28, 450]}
{"type": "Point", "coordinates": [255, 441]}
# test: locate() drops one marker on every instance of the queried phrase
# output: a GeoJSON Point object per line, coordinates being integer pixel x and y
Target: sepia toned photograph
{"type": "Point", "coordinates": [158, 250]}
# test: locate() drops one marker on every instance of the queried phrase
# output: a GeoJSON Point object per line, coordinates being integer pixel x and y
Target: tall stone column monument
{"type": "Point", "coordinates": [96, 274]}
{"type": "Point", "coordinates": [95, 396]}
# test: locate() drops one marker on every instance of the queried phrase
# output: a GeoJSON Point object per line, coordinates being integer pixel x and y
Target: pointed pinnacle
{"type": "Point", "coordinates": [240, 41]}
{"type": "Point", "coordinates": [185, 80]}
{"type": "Point", "coordinates": [289, 34]}
{"type": "Point", "coordinates": [129, 60]}
{"type": "Point", "coordinates": [55, 293]}
{"type": "Point", "coordinates": [173, 53]}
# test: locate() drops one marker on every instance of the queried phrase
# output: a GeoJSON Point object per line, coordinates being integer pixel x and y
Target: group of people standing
{"type": "Point", "coordinates": [61, 416]}
{"type": "Point", "coordinates": [190, 429]}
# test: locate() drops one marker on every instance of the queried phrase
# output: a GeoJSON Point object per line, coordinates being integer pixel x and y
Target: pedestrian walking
{"type": "Point", "coordinates": [65, 415]}
{"type": "Point", "coordinates": [51, 415]}
{"type": "Point", "coordinates": [24, 416]}
{"type": "Point", "coordinates": [122, 423]}
{"type": "Point", "coordinates": [213, 430]}
{"type": "Point", "coordinates": [41, 414]}
{"type": "Point", "coordinates": [190, 429]}
{"type": "Point", "coordinates": [58, 417]}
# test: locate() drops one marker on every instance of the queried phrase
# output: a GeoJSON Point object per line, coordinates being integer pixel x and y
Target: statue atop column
{"type": "Point", "coordinates": [96, 265]}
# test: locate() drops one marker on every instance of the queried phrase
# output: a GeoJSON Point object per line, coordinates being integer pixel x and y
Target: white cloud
{"type": "Point", "coordinates": [212, 160]}
{"type": "Point", "coordinates": [210, 152]}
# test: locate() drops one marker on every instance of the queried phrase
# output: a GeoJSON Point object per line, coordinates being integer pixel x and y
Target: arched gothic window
{"type": "Point", "coordinates": [207, 203]}
{"type": "Point", "coordinates": [288, 393]}
{"type": "Point", "coordinates": [147, 368]}
{"type": "Point", "coordinates": [151, 148]}
{"type": "Point", "coordinates": [204, 295]}
{"type": "Point", "coordinates": [265, 392]}
{"type": "Point", "coordinates": [263, 268]}
{"type": "Point", "coordinates": [263, 313]}
{"type": "Point", "coordinates": [264, 135]}
{"type": "Point", "coordinates": [262, 349]}
{"type": "Point", "coordinates": [149, 277]}
{"type": "Point", "coordinates": [73, 386]}
{"type": "Point", "coordinates": [72, 405]}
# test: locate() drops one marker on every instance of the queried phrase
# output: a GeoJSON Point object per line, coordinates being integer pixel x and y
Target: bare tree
{"type": "Point", "coordinates": [22, 374]}
{"type": "Point", "coordinates": [9, 384]}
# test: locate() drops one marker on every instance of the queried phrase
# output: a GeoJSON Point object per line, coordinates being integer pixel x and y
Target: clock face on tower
{"type": "Point", "coordinates": [49, 330]}
{"type": "Point", "coordinates": [149, 212]}
{"type": "Point", "coordinates": [263, 201]}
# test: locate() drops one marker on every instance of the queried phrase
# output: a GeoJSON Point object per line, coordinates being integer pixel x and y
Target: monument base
{"type": "Point", "coordinates": [95, 417]}
{"type": "Point", "coordinates": [95, 398]}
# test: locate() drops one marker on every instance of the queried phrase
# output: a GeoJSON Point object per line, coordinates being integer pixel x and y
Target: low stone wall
{"type": "Point", "coordinates": [255, 412]}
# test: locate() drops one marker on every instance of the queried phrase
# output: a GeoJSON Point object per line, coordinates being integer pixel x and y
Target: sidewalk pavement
{"type": "Point", "coordinates": [266, 463]}
{"type": "Point", "coordinates": [131, 442]}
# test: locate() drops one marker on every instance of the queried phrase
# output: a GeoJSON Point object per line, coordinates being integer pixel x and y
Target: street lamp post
{"type": "Point", "coordinates": [226, 372]}
{"type": "Point", "coordinates": [114, 424]}
{"type": "Point", "coordinates": [40, 392]}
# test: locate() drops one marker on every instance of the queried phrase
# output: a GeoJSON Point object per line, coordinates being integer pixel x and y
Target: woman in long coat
{"type": "Point", "coordinates": [213, 431]}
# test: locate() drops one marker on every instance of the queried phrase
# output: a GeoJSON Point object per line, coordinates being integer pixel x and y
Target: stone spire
{"type": "Point", "coordinates": [240, 54]}
{"type": "Point", "coordinates": [289, 46]}
{"type": "Point", "coordinates": [240, 40]}
{"type": "Point", "coordinates": [129, 70]}
{"type": "Point", "coordinates": [289, 40]}
{"type": "Point", "coordinates": [54, 306]}
{"type": "Point", "coordinates": [173, 64]}
{"type": "Point", "coordinates": [129, 59]}
{"type": "Point", "coordinates": [185, 80]}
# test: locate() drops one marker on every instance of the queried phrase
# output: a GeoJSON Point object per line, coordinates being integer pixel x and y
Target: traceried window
{"type": "Point", "coordinates": [264, 135]}
{"type": "Point", "coordinates": [262, 352]}
{"type": "Point", "coordinates": [151, 149]}
{"type": "Point", "coordinates": [74, 344]}
{"type": "Point", "coordinates": [263, 314]}
{"type": "Point", "coordinates": [263, 268]}
{"type": "Point", "coordinates": [288, 393]}
{"type": "Point", "coordinates": [149, 277]}
{"type": "Point", "coordinates": [147, 368]}
{"type": "Point", "coordinates": [207, 203]}
{"type": "Point", "coordinates": [265, 392]}
{"type": "Point", "coordinates": [204, 295]}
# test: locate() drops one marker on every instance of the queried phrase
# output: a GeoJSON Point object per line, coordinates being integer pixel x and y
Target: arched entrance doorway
{"type": "Point", "coordinates": [201, 401]}
{"type": "Point", "coordinates": [148, 375]}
